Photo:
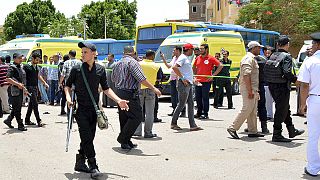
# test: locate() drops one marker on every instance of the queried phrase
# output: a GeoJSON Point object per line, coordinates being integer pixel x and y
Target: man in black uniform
{"type": "Point", "coordinates": [86, 115]}
{"type": "Point", "coordinates": [278, 73]}
{"type": "Point", "coordinates": [224, 82]}
{"type": "Point", "coordinates": [32, 76]}
{"type": "Point", "coordinates": [15, 78]}
{"type": "Point", "coordinates": [262, 110]}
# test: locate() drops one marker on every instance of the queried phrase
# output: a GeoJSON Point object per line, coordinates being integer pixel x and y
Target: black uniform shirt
{"type": "Point", "coordinates": [31, 74]}
{"type": "Point", "coordinates": [96, 76]}
{"type": "Point", "coordinates": [225, 71]}
{"type": "Point", "coordinates": [14, 72]}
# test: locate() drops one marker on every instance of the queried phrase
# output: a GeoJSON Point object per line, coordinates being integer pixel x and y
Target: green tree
{"type": "Point", "coordinates": [119, 16]}
{"type": "Point", "coordinates": [296, 18]}
{"type": "Point", "coordinates": [30, 18]}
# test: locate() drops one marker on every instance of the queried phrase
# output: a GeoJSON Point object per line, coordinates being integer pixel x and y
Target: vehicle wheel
{"type": "Point", "coordinates": [235, 88]}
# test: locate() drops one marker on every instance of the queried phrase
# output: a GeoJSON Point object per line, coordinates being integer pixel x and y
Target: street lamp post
{"type": "Point", "coordinates": [105, 21]}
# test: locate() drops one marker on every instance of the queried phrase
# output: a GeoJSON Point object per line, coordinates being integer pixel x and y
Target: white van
{"type": "Point", "coordinates": [302, 53]}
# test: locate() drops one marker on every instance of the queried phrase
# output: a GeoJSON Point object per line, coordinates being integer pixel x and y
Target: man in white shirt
{"type": "Point", "coordinates": [310, 95]}
{"type": "Point", "coordinates": [183, 69]}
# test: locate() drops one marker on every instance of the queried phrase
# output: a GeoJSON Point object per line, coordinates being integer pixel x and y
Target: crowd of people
{"type": "Point", "coordinates": [132, 84]}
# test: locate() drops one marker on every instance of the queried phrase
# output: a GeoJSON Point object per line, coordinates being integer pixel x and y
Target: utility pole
{"type": "Point", "coordinates": [105, 27]}
{"type": "Point", "coordinates": [105, 21]}
{"type": "Point", "coordinates": [84, 28]}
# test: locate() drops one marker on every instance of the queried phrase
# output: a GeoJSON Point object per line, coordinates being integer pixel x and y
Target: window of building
{"type": "Point", "coordinates": [194, 9]}
{"type": "Point", "coordinates": [218, 5]}
{"type": "Point", "coordinates": [203, 10]}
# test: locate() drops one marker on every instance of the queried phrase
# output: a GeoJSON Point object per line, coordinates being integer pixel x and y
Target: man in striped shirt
{"type": "Point", "coordinates": [4, 87]}
{"type": "Point", "coordinates": [127, 76]}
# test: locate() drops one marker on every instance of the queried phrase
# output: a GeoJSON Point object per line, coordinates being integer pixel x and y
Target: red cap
{"type": "Point", "coordinates": [187, 46]}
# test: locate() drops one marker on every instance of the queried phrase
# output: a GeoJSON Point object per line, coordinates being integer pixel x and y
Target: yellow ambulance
{"type": "Point", "coordinates": [217, 41]}
{"type": "Point", "coordinates": [43, 44]}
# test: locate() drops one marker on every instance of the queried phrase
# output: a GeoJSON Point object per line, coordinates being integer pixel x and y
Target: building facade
{"type": "Point", "coordinates": [215, 11]}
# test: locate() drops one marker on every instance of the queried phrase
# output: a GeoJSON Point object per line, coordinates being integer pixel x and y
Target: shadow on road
{"type": "Point", "coordinates": [248, 139]}
{"type": "Point", "coordinates": [85, 176]}
{"type": "Point", "coordinates": [12, 131]}
{"type": "Point", "coordinates": [305, 176]}
{"type": "Point", "coordinates": [287, 145]}
{"type": "Point", "coordinates": [141, 138]}
{"type": "Point", "coordinates": [134, 152]}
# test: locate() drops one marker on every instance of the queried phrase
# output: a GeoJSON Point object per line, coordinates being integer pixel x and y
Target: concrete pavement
{"type": "Point", "coordinates": [39, 153]}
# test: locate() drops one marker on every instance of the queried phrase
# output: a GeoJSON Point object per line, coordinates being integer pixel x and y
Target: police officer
{"type": "Point", "coordinates": [224, 82]}
{"type": "Point", "coordinates": [278, 74]}
{"type": "Point", "coordinates": [310, 91]}
{"type": "Point", "coordinates": [32, 76]}
{"type": "Point", "coordinates": [15, 78]}
{"type": "Point", "coordinates": [86, 115]}
{"type": "Point", "coordinates": [262, 111]}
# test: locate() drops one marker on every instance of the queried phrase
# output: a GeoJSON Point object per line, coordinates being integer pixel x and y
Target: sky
{"type": "Point", "coordinates": [149, 11]}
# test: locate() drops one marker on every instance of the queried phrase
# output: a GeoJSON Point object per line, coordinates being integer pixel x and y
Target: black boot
{"type": "Point", "coordinates": [81, 164]}
{"type": "Point", "coordinates": [264, 127]}
{"type": "Point", "coordinates": [20, 125]}
{"type": "Point", "coordinates": [94, 170]}
{"type": "Point", "coordinates": [293, 132]}
{"type": "Point", "coordinates": [277, 137]}
{"type": "Point", "coordinates": [8, 121]}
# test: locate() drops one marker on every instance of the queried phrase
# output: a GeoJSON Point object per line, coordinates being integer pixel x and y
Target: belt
{"type": "Point", "coordinates": [314, 95]}
{"type": "Point", "coordinates": [129, 90]}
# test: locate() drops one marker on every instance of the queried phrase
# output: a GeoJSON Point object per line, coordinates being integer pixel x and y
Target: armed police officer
{"type": "Point", "coordinates": [278, 74]}
{"type": "Point", "coordinates": [86, 115]}
{"type": "Point", "coordinates": [15, 78]}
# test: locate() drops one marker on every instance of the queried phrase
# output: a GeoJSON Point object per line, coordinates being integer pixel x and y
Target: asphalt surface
{"type": "Point", "coordinates": [39, 153]}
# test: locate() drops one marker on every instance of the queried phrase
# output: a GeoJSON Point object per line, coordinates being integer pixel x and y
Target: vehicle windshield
{"type": "Point", "coordinates": [303, 56]}
{"type": "Point", "coordinates": [167, 51]}
{"type": "Point", "coordinates": [12, 51]}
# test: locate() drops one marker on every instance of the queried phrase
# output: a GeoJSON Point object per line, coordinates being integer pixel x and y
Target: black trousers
{"type": "Point", "coordinates": [218, 96]}
{"type": "Point", "coordinates": [281, 95]}
{"type": "Point", "coordinates": [33, 104]}
{"type": "Point", "coordinates": [16, 109]}
{"type": "Point", "coordinates": [156, 107]}
{"type": "Point", "coordinates": [63, 100]}
{"type": "Point", "coordinates": [129, 120]}
{"type": "Point", "coordinates": [262, 111]}
{"type": "Point", "coordinates": [87, 121]}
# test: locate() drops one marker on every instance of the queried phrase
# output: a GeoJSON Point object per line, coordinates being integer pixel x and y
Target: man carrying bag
{"type": "Point", "coordinates": [86, 78]}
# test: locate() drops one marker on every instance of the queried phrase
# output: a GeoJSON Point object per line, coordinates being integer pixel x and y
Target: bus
{"type": "Point", "coordinates": [150, 36]}
{"type": "Point", "coordinates": [264, 37]}
{"type": "Point", "coordinates": [107, 46]}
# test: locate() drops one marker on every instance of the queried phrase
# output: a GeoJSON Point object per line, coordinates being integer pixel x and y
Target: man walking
{"type": "Point", "coordinates": [183, 70]}
{"type": "Point", "coordinates": [127, 76]}
{"type": "Point", "coordinates": [66, 69]}
{"type": "Point", "coordinates": [310, 95]}
{"type": "Point", "coordinates": [86, 115]}
{"type": "Point", "coordinates": [278, 74]}
{"type": "Point", "coordinates": [249, 86]}
{"type": "Point", "coordinates": [32, 76]}
{"type": "Point", "coordinates": [204, 65]}
{"type": "Point", "coordinates": [16, 78]}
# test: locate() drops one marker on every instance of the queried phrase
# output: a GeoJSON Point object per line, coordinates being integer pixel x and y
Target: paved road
{"type": "Point", "coordinates": [39, 153]}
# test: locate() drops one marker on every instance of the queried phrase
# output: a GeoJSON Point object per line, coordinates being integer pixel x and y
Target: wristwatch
{"type": "Point", "coordinates": [182, 78]}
